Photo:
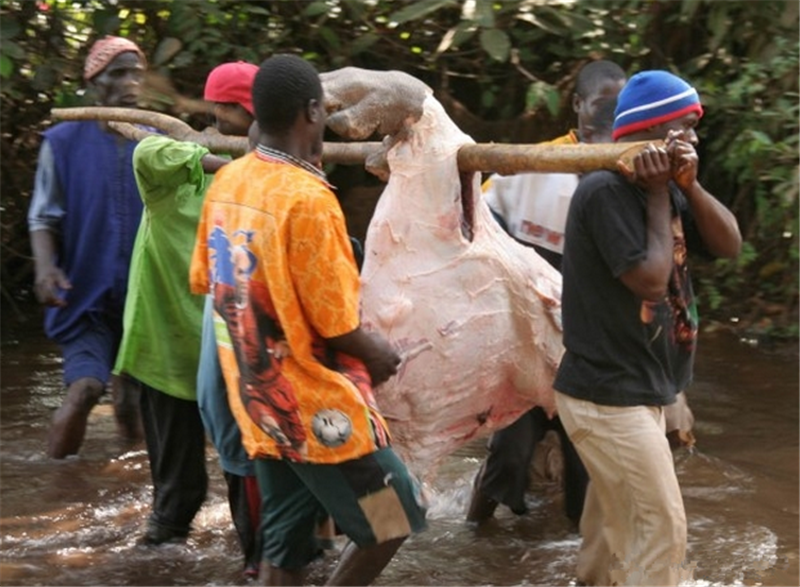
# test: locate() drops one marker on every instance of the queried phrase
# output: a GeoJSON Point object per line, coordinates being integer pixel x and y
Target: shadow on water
{"type": "Point", "coordinates": [75, 522]}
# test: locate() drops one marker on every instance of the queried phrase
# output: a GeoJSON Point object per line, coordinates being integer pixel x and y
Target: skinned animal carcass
{"type": "Point", "coordinates": [474, 314]}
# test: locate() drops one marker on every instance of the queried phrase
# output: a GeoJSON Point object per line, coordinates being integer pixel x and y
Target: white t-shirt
{"type": "Point", "coordinates": [534, 205]}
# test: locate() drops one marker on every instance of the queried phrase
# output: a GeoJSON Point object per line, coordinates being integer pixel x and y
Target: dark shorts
{"type": "Point", "coordinates": [92, 353]}
{"type": "Point", "coordinates": [372, 500]}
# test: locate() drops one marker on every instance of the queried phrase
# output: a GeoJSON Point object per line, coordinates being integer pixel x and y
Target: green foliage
{"type": "Point", "coordinates": [541, 93]}
{"type": "Point", "coordinates": [753, 111]}
{"type": "Point", "coordinates": [496, 43]}
{"type": "Point", "coordinates": [506, 67]}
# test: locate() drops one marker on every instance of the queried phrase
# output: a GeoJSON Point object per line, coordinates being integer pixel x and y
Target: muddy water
{"type": "Point", "coordinates": [75, 522]}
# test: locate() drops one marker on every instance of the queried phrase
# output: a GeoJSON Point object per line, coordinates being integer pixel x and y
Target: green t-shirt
{"type": "Point", "coordinates": [163, 319]}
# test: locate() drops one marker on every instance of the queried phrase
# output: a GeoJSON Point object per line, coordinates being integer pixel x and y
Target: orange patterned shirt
{"type": "Point", "coordinates": [272, 247]}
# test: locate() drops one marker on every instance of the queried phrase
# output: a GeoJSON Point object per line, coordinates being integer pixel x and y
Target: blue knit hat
{"type": "Point", "coordinates": [651, 98]}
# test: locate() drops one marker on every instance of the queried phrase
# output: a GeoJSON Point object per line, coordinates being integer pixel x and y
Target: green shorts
{"type": "Point", "coordinates": [372, 500]}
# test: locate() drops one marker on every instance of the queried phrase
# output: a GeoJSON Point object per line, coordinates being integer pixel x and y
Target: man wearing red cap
{"type": "Point", "coordinates": [83, 218]}
{"type": "Point", "coordinates": [161, 346]}
{"type": "Point", "coordinates": [228, 87]}
{"type": "Point", "coordinates": [630, 328]}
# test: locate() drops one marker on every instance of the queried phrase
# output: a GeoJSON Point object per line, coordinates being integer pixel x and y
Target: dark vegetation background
{"type": "Point", "coordinates": [503, 69]}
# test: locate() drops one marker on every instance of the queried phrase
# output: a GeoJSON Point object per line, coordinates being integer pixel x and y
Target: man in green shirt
{"type": "Point", "coordinates": [161, 343]}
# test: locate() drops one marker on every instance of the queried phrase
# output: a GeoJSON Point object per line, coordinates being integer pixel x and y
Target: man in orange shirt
{"type": "Point", "coordinates": [274, 252]}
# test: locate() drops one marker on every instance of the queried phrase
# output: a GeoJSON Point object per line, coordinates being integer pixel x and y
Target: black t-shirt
{"type": "Point", "coordinates": [622, 350]}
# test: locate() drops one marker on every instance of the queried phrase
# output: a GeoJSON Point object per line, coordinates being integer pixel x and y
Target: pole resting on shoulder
{"type": "Point", "coordinates": [505, 159]}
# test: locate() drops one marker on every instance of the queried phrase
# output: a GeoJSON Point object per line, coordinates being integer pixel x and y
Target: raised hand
{"type": "Point", "coordinates": [652, 169]}
{"type": "Point", "coordinates": [684, 159]}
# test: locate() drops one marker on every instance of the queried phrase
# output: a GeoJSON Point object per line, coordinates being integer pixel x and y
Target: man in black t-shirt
{"type": "Point", "coordinates": [630, 327]}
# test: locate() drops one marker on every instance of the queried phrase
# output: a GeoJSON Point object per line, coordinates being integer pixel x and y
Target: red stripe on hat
{"type": "Point", "coordinates": [645, 124]}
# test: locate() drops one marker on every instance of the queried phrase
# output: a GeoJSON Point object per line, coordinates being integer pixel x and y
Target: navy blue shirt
{"type": "Point", "coordinates": [97, 227]}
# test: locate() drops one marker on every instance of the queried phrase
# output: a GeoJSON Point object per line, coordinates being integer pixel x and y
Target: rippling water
{"type": "Point", "coordinates": [75, 522]}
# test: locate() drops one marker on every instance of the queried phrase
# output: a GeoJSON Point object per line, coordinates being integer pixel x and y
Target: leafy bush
{"type": "Point", "coordinates": [504, 70]}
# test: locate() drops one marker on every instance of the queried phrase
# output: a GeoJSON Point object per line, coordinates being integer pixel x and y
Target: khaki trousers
{"type": "Point", "coordinates": [633, 524]}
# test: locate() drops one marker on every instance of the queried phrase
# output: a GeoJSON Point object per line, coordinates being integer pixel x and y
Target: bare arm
{"type": "Point", "coordinates": [49, 277]}
{"type": "Point", "coordinates": [717, 225]}
{"type": "Point", "coordinates": [377, 354]}
{"type": "Point", "coordinates": [648, 279]}
{"type": "Point", "coordinates": [213, 163]}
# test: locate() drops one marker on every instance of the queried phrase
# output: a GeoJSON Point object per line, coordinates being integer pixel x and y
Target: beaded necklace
{"type": "Point", "coordinates": [263, 152]}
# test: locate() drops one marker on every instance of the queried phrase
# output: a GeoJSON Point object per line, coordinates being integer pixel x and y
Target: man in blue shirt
{"type": "Point", "coordinates": [83, 219]}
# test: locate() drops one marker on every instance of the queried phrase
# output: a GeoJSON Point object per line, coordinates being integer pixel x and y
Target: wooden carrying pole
{"type": "Point", "coordinates": [506, 159]}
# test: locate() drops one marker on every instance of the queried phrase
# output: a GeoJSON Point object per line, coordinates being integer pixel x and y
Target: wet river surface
{"type": "Point", "coordinates": [75, 522]}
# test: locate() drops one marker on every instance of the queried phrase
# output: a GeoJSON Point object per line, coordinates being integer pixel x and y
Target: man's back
{"type": "Point", "coordinates": [282, 269]}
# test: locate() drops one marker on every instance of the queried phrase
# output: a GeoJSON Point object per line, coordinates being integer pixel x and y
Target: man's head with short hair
{"type": "Point", "coordinates": [282, 89]}
{"type": "Point", "coordinates": [288, 101]}
{"type": "Point", "coordinates": [595, 74]}
{"type": "Point", "coordinates": [597, 82]}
